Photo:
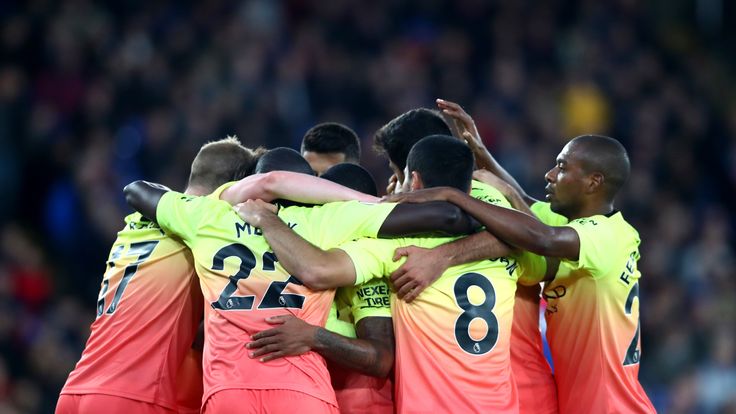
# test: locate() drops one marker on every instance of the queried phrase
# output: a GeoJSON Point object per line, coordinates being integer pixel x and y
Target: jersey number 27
{"type": "Point", "coordinates": [140, 251]}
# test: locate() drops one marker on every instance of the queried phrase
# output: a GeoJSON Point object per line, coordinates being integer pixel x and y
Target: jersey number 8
{"type": "Point", "coordinates": [471, 312]}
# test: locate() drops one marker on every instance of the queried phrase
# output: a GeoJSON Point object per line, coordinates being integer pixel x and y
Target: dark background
{"type": "Point", "coordinates": [95, 95]}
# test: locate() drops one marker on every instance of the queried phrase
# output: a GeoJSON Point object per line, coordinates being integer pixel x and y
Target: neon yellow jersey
{"type": "Point", "coordinates": [350, 306]}
{"type": "Point", "coordinates": [452, 342]}
{"type": "Point", "coordinates": [357, 392]}
{"type": "Point", "coordinates": [544, 213]}
{"type": "Point", "coordinates": [218, 192]}
{"type": "Point", "coordinates": [354, 303]}
{"type": "Point", "coordinates": [484, 192]}
{"type": "Point", "coordinates": [243, 284]}
{"type": "Point", "coordinates": [597, 298]}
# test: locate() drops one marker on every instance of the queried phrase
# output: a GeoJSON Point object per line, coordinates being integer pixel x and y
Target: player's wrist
{"type": "Point", "coordinates": [451, 195]}
{"type": "Point", "coordinates": [267, 219]}
{"type": "Point", "coordinates": [445, 256]}
{"type": "Point", "coordinates": [318, 338]}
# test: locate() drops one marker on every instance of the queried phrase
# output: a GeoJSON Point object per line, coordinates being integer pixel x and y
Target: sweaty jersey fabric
{"type": "Point", "coordinates": [593, 320]}
{"type": "Point", "coordinates": [148, 311]}
{"type": "Point", "coordinates": [243, 284]}
{"type": "Point", "coordinates": [452, 342]}
{"type": "Point", "coordinates": [359, 393]}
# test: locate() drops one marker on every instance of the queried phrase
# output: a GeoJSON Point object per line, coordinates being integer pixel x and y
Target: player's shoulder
{"type": "Point", "coordinates": [608, 226]}
{"type": "Point", "coordinates": [606, 242]}
{"type": "Point", "coordinates": [543, 211]}
{"type": "Point", "coordinates": [187, 212]}
{"type": "Point", "coordinates": [487, 193]}
{"type": "Point", "coordinates": [138, 229]}
{"type": "Point", "coordinates": [295, 209]}
{"type": "Point", "coordinates": [136, 224]}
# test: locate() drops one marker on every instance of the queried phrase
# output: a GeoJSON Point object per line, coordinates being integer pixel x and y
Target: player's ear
{"type": "Point", "coordinates": [416, 181]}
{"type": "Point", "coordinates": [595, 182]}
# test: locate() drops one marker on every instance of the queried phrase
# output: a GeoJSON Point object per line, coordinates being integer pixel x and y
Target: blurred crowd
{"type": "Point", "coordinates": [95, 95]}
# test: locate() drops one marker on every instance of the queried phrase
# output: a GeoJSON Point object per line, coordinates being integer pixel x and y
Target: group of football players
{"type": "Point", "coordinates": [279, 281]}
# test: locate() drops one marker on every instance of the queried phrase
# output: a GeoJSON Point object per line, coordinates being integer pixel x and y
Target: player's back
{"type": "Point", "coordinates": [534, 379]}
{"type": "Point", "coordinates": [533, 375]}
{"type": "Point", "coordinates": [456, 336]}
{"type": "Point", "coordinates": [243, 284]}
{"type": "Point", "coordinates": [593, 321]}
{"type": "Point", "coordinates": [147, 313]}
{"type": "Point", "coordinates": [452, 342]}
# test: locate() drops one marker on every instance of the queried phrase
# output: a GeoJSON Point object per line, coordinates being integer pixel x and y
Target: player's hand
{"type": "Point", "coordinates": [420, 196]}
{"type": "Point", "coordinates": [463, 122]}
{"type": "Point", "coordinates": [255, 211]}
{"type": "Point", "coordinates": [291, 337]}
{"type": "Point", "coordinates": [421, 269]}
{"type": "Point", "coordinates": [393, 182]}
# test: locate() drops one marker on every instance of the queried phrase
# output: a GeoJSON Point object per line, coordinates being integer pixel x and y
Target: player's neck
{"type": "Point", "coordinates": [196, 190]}
{"type": "Point", "coordinates": [593, 209]}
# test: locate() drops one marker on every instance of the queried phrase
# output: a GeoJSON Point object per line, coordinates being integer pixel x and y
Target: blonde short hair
{"type": "Point", "coordinates": [222, 161]}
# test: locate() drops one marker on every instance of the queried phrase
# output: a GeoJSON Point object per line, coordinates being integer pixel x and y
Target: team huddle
{"type": "Point", "coordinates": [278, 281]}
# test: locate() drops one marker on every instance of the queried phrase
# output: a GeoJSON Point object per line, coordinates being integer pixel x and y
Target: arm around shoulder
{"type": "Point", "coordinates": [431, 217]}
{"type": "Point", "coordinates": [144, 197]}
{"type": "Point", "coordinates": [292, 186]}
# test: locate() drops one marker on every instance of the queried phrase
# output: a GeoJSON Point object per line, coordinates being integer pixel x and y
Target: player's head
{"type": "Point", "coordinates": [352, 176]}
{"type": "Point", "coordinates": [590, 168]}
{"type": "Point", "coordinates": [219, 162]}
{"type": "Point", "coordinates": [330, 143]}
{"type": "Point", "coordinates": [438, 161]}
{"type": "Point", "coordinates": [396, 138]}
{"type": "Point", "coordinates": [282, 159]}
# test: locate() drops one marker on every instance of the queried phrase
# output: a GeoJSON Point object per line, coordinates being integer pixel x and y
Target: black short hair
{"type": "Point", "coordinates": [605, 155]}
{"type": "Point", "coordinates": [401, 133]}
{"type": "Point", "coordinates": [442, 160]}
{"type": "Point", "coordinates": [332, 137]}
{"type": "Point", "coordinates": [352, 176]}
{"type": "Point", "coordinates": [282, 159]}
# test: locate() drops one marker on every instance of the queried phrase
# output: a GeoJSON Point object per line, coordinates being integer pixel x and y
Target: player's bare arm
{"type": "Point", "coordinates": [516, 228]}
{"type": "Point", "coordinates": [371, 353]}
{"type": "Point", "coordinates": [424, 266]}
{"type": "Point", "coordinates": [326, 269]}
{"type": "Point", "coordinates": [429, 218]}
{"type": "Point", "coordinates": [292, 186]}
{"type": "Point", "coordinates": [466, 126]}
{"type": "Point", "coordinates": [144, 197]}
{"type": "Point", "coordinates": [318, 269]}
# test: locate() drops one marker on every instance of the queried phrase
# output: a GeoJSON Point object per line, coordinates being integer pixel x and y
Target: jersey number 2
{"type": "Point", "coordinates": [633, 353]}
{"type": "Point", "coordinates": [140, 250]}
{"type": "Point", "coordinates": [471, 312]}
{"type": "Point", "coordinates": [274, 297]}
